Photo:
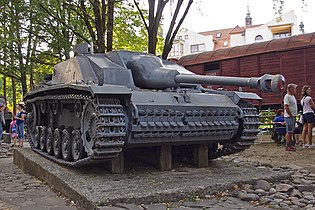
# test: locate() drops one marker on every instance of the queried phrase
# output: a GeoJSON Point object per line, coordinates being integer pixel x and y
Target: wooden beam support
{"type": "Point", "coordinates": [117, 164]}
{"type": "Point", "coordinates": [201, 155]}
{"type": "Point", "coordinates": [165, 158]}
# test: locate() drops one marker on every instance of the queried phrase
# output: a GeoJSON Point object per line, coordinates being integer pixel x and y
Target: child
{"type": "Point", "coordinates": [13, 131]}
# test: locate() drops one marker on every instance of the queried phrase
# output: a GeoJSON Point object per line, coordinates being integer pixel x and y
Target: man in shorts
{"type": "Point", "coordinates": [290, 113]}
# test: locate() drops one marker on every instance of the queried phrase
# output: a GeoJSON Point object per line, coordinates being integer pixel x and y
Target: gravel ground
{"type": "Point", "coordinates": [270, 153]}
{"type": "Point", "coordinates": [292, 192]}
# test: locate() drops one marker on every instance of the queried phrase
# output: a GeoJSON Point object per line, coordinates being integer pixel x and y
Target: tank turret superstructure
{"type": "Point", "coordinates": [97, 105]}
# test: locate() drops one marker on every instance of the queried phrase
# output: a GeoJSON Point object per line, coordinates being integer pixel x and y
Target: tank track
{"type": "Point", "coordinates": [107, 148]}
{"type": "Point", "coordinates": [250, 124]}
{"type": "Point", "coordinates": [110, 128]}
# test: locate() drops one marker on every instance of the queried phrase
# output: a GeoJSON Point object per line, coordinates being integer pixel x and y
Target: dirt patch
{"type": "Point", "coordinates": [271, 153]}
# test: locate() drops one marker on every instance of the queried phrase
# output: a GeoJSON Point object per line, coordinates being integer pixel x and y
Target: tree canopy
{"type": "Point", "coordinates": [37, 34]}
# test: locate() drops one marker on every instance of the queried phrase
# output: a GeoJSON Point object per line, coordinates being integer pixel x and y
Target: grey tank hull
{"type": "Point", "coordinates": [96, 107]}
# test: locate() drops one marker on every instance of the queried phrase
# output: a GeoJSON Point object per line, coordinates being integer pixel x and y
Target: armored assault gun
{"type": "Point", "coordinates": [96, 106]}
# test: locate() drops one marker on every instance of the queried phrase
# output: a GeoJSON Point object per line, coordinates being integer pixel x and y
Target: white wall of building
{"type": "Point", "coordinates": [237, 39]}
{"type": "Point", "coordinates": [266, 29]}
{"type": "Point", "coordinates": [252, 33]}
{"type": "Point", "coordinates": [288, 18]}
{"type": "Point", "coordinates": [190, 38]}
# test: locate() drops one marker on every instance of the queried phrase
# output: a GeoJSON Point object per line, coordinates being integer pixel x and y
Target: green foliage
{"type": "Point", "coordinates": [160, 42]}
{"type": "Point", "coordinates": [37, 34]}
{"type": "Point", "coordinates": [19, 94]}
{"type": "Point", "coordinates": [266, 118]}
{"type": "Point", "coordinates": [129, 30]}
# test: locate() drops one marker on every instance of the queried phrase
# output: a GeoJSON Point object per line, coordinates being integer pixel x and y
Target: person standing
{"type": "Point", "coordinates": [308, 116]}
{"type": "Point", "coordinates": [20, 123]}
{"type": "Point", "coordinates": [290, 113]}
{"type": "Point", "coordinates": [2, 120]}
{"type": "Point", "coordinates": [8, 118]}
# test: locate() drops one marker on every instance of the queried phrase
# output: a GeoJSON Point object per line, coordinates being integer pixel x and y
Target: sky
{"type": "Point", "coordinates": [213, 15]}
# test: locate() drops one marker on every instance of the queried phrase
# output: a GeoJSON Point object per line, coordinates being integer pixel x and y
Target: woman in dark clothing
{"type": "Point", "coordinates": [20, 123]}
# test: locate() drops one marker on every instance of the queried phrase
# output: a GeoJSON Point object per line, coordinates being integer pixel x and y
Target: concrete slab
{"type": "Point", "coordinates": [93, 186]}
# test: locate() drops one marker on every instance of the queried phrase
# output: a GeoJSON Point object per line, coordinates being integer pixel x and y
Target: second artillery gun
{"type": "Point", "coordinates": [95, 106]}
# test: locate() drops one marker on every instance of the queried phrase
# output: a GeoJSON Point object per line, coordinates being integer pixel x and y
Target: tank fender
{"type": "Point", "coordinates": [110, 90]}
{"type": "Point", "coordinates": [237, 96]}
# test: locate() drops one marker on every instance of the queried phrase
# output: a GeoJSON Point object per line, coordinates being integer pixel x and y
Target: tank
{"type": "Point", "coordinates": [95, 106]}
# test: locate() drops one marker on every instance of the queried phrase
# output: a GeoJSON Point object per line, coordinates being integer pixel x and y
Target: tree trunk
{"type": "Point", "coordinates": [5, 51]}
{"type": "Point", "coordinates": [23, 82]}
{"type": "Point", "coordinates": [110, 24]}
{"type": "Point", "coordinates": [5, 88]}
{"type": "Point", "coordinates": [99, 25]}
{"type": "Point", "coordinates": [31, 66]}
{"type": "Point", "coordinates": [154, 21]}
{"type": "Point", "coordinates": [13, 95]}
{"type": "Point", "coordinates": [154, 18]}
{"type": "Point", "coordinates": [19, 50]}
{"type": "Point", "coordinates": [168, 43]}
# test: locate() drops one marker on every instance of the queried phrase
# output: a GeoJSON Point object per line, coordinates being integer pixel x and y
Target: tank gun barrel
{"type": "Point", "coordinates": [265, 83]}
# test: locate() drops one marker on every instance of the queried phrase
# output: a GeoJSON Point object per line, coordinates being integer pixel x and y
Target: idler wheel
{"type": "Point", "coordinates": [42, 140]}
{"type": "Point", "coordinates": [37, 137]}
{"type": "Point", "coordinates": [66, 145]}
{"type": "Point", "coordinates": [57, 143]}
{"type": "Point", "coordinates": [49, 141]}
{"type": "Point", "coordinates": [76, 145]}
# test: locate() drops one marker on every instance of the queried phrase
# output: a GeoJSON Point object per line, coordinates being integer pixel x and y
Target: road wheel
{"type": "Point", "coordinates": [66, 145]}
{"type": "Point", "coordinates": [49, 141]}
{"type": "Point", "coordinates": [76, 145]}
{"type": "Point", "coordinates": [57, 143]}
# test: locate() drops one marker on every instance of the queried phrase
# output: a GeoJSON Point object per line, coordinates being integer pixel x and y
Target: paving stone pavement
{"type": "Point", "coordinates": [19, 190]}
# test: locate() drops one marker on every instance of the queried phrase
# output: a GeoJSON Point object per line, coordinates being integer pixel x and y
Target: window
{"type": "Point", "coordinates": [201, 47]}
{"type": "Point", "coordinates": [186, 36]}
{"type": "Point", "coordinates": [226, 43]}
{"type": "Point", "coordinates": [281, 35]}
{"type": "Point", "coordinates": [281, 31]}
{"type": "Point", "coordinates": [219, 35]}
{"type": "Point", "coordinates": [194, 48]}
{"type": "Point", "coordinates": [214, 66]}
{"type": "Point", "coordinates": [180, 37]}
{"type": "Point", "coordinates": [197, 48]}
{"type": "Point", "coordinates": [177, 50]}
{"type": "Point", "coordinates": [259, 38]}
